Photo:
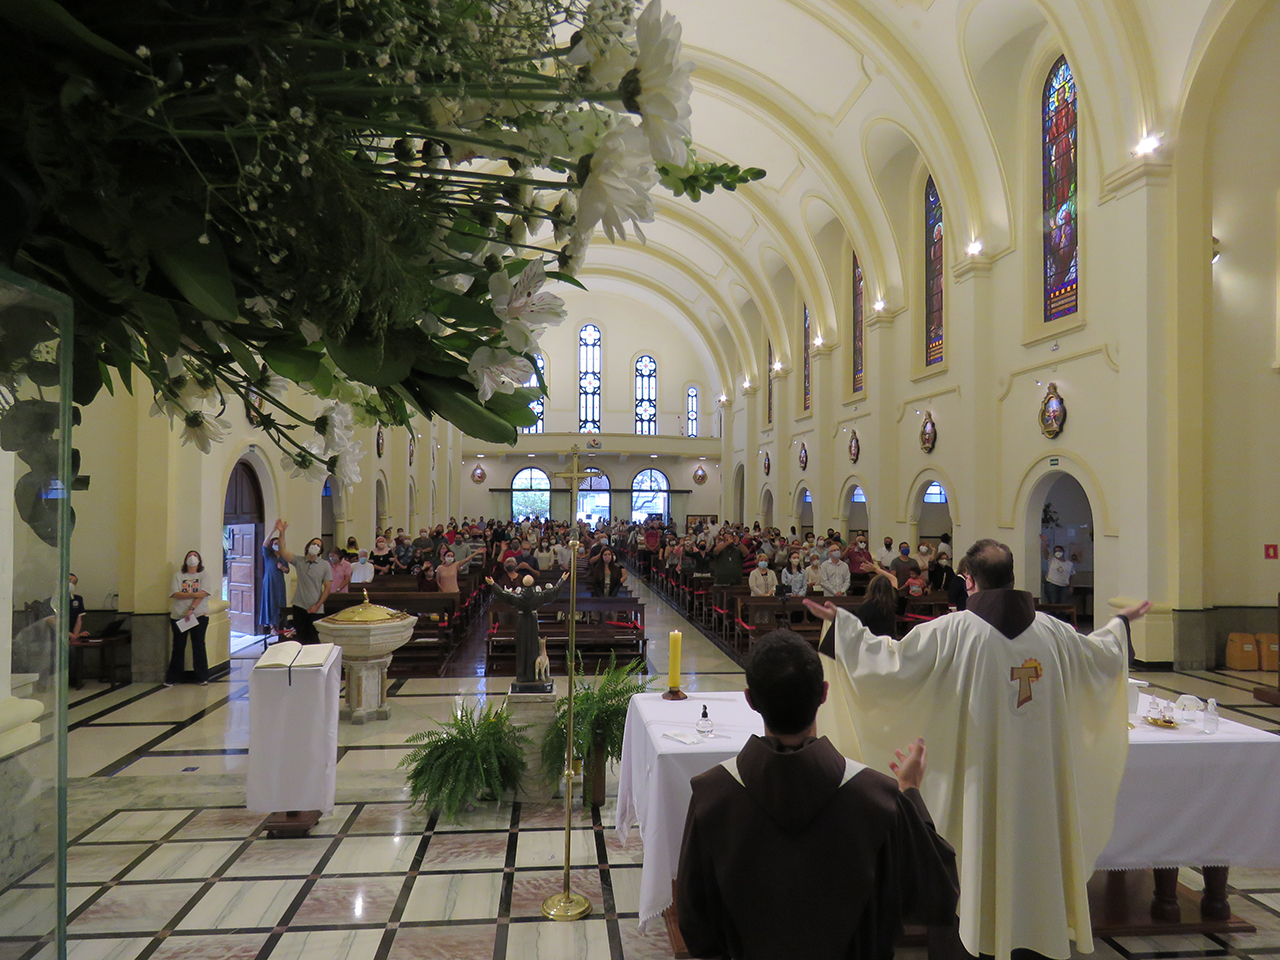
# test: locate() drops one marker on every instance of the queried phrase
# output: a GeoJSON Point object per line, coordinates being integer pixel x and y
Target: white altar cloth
{"type": "Point", "coordinates": [293, 737]}
{"type": "Point", "coordinates": [1187, 798]}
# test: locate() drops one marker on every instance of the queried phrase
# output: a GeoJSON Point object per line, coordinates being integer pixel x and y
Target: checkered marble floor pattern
{"type": "Point", "coordinates": [165, 863]}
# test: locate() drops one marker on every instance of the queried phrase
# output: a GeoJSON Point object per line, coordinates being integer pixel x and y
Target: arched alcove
{"type": "Point", "coordinates": [803, 511]}
{"type": "Point", "coordinates": [766, 508]}
{"type": "Point", "coordinates": [1059, 511]}
{"type": "Point", "coordinates": [856, 518]}
{"type": "Point", "coordinates": [380, 503]}
{"type": "Point", "coordinates": [930, 513]}
{"type": "Point", "coordinates": [738, 504]}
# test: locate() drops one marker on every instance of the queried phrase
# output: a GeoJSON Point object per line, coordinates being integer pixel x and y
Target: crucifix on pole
{"type": "Point", "coordinates": [568, 905]}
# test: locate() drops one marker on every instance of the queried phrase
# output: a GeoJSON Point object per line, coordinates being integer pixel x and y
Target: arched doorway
{"type": "Point", "coordinates": [1059, 511]}
{"type": "Point", "coordinates": [242, 532]}
{"type": "Point", "coordinates": [328, 513]}
{"type": "Point", "coordinates": [739, 505]}
{"type": "Point", "coordinates": [856, 513]}
{"type": "Point", "coordinates": [804, 511]}
{"type": "Point", "coordinates": [380, 504]}
{"type": "Point", "coordinates": [931, 514]}
{"type": "Point", "coordinates": [593, 497]}
{"type": "Point", "coordinates": [766, 509]}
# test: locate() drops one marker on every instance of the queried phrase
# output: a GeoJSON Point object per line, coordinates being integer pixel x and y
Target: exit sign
{"type": "Point", "coordinates": [1271, 551]}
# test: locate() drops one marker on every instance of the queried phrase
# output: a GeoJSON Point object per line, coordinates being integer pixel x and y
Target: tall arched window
{"type": "Point", "coordinates": [859, 381]}
{"type": "Point", "coordinates": [768, 375]}
{"type": "Point", "coordinates": [530, 494]}
{"type": "Point", "coordinates": [691, 412]}
{"type": "Point", "coordinates": [593, 497]}
{"type": "Point", "coordinates": [649, 495]}
{"type": "Point", "coordinates": [932, 275]}
{"type": "Point", "coordinates": [538, 406]}
{"type": "Point", "coordinates": [808, 346]}
{"type": "Point", "coordinates": [589, 379]}
{"type": "Point", "coordinates": [1061, 228]}
{"type": "Point", "coordinates": [646, 396]}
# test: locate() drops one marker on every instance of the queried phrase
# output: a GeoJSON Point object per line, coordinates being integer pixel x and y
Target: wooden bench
{"type": "Point", "coordinates": [434, 634]}
{"type": "Point", "coordinates": [615, 628]}
{"type": "Point", "coordinates": [1065, 612]}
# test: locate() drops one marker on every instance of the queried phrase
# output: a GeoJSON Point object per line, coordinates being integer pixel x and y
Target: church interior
{"type": "Point", "coordinates": [1014, 272]}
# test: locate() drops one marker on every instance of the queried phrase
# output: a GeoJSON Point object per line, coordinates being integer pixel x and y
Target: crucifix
{"type": "Point", "coordinates": [568, 905]}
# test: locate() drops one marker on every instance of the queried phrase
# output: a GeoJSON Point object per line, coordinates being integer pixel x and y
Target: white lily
{"type": "Point", "coordinates": [164, 406]}
{"type": "Point", "coordinates": [309, 463]}
{"type": "Point", "coordinates": [617, 188]}
{"type": "Point", "coordinates": [664, 87]}
{"type": "Point", "coordinates": [498, 371]}
{"type": "Point", "coordinates": [203, 430]}
{"type": "Point", "coordinates": [336, 426]}
{"type": "Point", "coordinates": [522, 306]}
{"type": "Point", "coordinates": [347, 468]}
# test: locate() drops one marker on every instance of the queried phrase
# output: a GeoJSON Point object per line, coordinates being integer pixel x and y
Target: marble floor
{"type": "Point", "coordinates": [165, 863]}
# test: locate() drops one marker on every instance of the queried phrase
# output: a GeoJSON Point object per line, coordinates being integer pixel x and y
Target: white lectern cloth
{"type": "Point", "coordinates": [293, 737]}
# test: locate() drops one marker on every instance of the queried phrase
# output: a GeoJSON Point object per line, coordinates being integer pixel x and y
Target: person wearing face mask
{"type": "Point", "coordinates": [763, 581]}
{"type": "Point", "coordinates": [833, 578]}
{"type": "Point", "coordinates": [794, 578]}
{"type": "Point", "coordinates": [341, 568]}
{"type": "Point", "coordinates": [903, 564]}
{"type": "Point", "coordinates": [447, 572]}
{"type": "Point", "coordinates": [189, 617]}
{"type": "Point", "coordinates": [545, 556]}
{"type": "Point", "coordinates": [362, 570]}
{"type": "Point", "coordinates": [314, 578]}
{"type": "Point", "coordinates": [383, 557]}
{"type": "Point", "coordinates": [812, 572]}
{"type": "Point", "coordinates": [924, 557]}
{"type": "Point", "coordinates": [887, 554]}
{"type": "Point", "coordinates": [563, 553]}
{"type": "Point", "coordinates": [858, 555]}
{"type": "Point", "coordinates": [1057, 579]}
{"type": "Point", "coordinates": [272, 597]}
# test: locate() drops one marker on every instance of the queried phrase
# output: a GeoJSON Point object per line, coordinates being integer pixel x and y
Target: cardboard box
{"type": "Point", "coordinates": [1269, 650]}
{"type": "Point", "coordinates": [1242, 651]}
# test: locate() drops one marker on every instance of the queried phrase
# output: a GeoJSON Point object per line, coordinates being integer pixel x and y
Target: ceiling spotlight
{"type": "Point", "coordinates": [975, 248]}
{"type": "Point", "coordinates": [480, 456]}
{"type": "Point", "coordinates": [878, 306]}
{"type": "Point", "coordinates": [702, 458]}
{"type": "Point", "coordinates": [653, 456]}
{"type": "Point", "coordinates": [1147, 146]}
{"type": "Point", "coordinates": [1217, 250]}
{"type": "Point", "coordinates": [532, 455]}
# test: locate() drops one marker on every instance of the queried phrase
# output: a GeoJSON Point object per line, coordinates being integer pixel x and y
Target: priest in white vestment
{"type": "Point", "coordinates": [1026, 722]}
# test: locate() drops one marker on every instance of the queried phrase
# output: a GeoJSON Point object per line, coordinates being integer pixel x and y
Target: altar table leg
{"type": "Point", "coordinates": [1164, 905]}
{"type": "Point", "coordinates": [1213, 905]}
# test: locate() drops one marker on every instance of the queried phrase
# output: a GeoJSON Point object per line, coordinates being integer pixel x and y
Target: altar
{"type": "Point", "coordinates": [1172, 811]}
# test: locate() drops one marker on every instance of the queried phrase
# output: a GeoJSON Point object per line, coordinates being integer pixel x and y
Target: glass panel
{"type": "Point", "coordinates": [649, 495]}
{"type": "Point", "coordinates": [769, 377]}
{"type": "Point", "coordinates": [646, 396]}
{"type": "Point", "coordinates": [859, 495]}
{"type": "Point", "coordinates": [539, 405]}
{"type": "Point", "coordinates": [808, 398]}
{"type": "Point", "coordinates": [935, 494]}
{"type": "Point", "coordinates": [35, 533]}
{"type": "Point", "coordinates": [589, 379]}
{"type": "Point", "coordinates": [531, 494]}
{"type": "Point", "coordinates": [858, 381]}
{"type": "Point", "coordinates": [932, 275]}
{"type": "Point", "coordinates": [1061, 227]}
{"type": "Point", "coordinates": [691, 412]}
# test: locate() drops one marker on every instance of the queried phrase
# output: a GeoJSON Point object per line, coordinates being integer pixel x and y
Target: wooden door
{"type": "Point", "coordinates": [241, 575]}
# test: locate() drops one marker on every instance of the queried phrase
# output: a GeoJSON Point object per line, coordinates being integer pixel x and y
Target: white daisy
{"type": "Point", "coordinates": [604, 44]}
{"type": "Point", "coordinates": [271, 384]}
{"type": "Point", "coordinates": [164, 406]}
{"type": "Point", "coordinates": [617, 188]}
{"type": "Point", "coordinates": [309, 463]}
{"type": "Point", "coordinates": [658, 87]}
{"type": "Point", "coordinates": [203, 430]}
{"type": "Point", "coordinates": [498, 371]}
{"type": "Point", "coordinates": [347, 466]}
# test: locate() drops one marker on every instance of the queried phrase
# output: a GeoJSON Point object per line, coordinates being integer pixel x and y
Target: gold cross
{"type": "Point", "coordinates": [575, 475]}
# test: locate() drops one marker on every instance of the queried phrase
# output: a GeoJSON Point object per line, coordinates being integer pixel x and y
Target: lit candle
{"type": "Point", "coordinates": [673, 660]}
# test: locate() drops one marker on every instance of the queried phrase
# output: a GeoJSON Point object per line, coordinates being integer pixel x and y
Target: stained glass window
{"type": "Point", "coordinates": [589, 379]}
{"type": "Point", "coordinates": [932, 275]}
{"type": "Point", "coordinates": [538, 406]}
{"type": "Point", "coordinates": [691, 412]}
{"type": "Point", "coordinates": [646, 396]}
{"type": "Point", "coordinates": [1061, 228]}
{"type": "Point", "coordinates": [768, 375]}
{"type": "Point", "coordinates": [808, 345]}
{"type": "Point", "coordinates": [649, 495]}
{"type": "Point", "coordinates": [934, 493]}
{"type": "Point", "coordinates": [859, 495]}
{"type": "Point", "coordinates": [530, 494]}
{"type": "Point", "coordinates": [859, 381]}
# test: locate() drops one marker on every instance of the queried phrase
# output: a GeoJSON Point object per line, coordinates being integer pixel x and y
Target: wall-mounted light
{"type": "Point", "coordinates": [531, 456]}
{"type": "Point", "coordinates": [878, 306]}
{"type": "Point", "coordinates": [917, 413]}
{"type": "Point", "coordinates": [777, 365]}
{"type": "Point", "coordinates": [746, 384]}
{"type": "Point", "coordinates": [723, 398]}
{"type": "Point", "coordinates": [975, 248]}
{"type": "Point", "coordinates": [653, 456]}
{"type": "Point", "coordinates": [1147, 146]}
{"type": "Point", "coordinates": [1217, 250]}
{"type": "Point", "coordinates": [480, 456]}
{"type": "Point", "coordinates": [817, 341]}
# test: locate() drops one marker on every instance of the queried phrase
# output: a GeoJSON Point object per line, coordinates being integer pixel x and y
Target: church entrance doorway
{"type": "Point", "coordinates": [856, 513]}
{"type": "Point", "coordinates": [242, 532]}
{"type": "Point", "coordinates": [1065, 519]}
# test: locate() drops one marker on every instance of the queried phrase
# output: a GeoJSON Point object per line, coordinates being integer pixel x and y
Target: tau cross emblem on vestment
{"type": "Point", "coordinates": [1024, 676]}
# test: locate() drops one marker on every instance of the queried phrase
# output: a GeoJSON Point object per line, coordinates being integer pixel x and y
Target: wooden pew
{"type": "Point", "coordinates": [434, 633]}
{"type": "Point", "coordinates": [617, 628]}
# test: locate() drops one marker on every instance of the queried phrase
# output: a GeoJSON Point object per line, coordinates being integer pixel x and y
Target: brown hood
{"type": "Point", "coordinates": [1009, 611]}
{"type": "Point", "coordinates": [791, 785]}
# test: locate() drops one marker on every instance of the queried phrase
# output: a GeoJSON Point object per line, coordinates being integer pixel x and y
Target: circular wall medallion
{"type": "Point", "coordinates": [700, 475]}
{"type": "Point", "coordinates": [411, 450]}
{"type": "Point", "coordinates": [928, 434]}
{"type": "Point", "coordinates": [766, 464]}
{"type": "Point", "coordinates": [855, 448]}
{"type": "Point", "coordinates": [381, 442]}
{"type": "Point", "coordinates": [1053, 412]}
{"type": "Point", "coordinates": [478, 474]}
{"type": "Point", "coordinates": [804, 456]}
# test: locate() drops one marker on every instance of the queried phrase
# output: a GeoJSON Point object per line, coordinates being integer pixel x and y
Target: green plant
{"type": "Point", "coordinates": [599, 717]}
{"type": "Point", "coordinates": [474, 751]}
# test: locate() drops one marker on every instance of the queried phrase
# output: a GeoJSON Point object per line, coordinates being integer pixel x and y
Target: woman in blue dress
{"type": "Point", "coordinates": [271, 598]}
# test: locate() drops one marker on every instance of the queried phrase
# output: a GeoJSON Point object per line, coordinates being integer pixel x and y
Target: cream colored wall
{"type": "Point", "coordinates": [1242, 452]}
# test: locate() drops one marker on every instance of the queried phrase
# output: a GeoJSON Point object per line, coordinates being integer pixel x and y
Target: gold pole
{"type": "Point", "coordinates": [569, 905]}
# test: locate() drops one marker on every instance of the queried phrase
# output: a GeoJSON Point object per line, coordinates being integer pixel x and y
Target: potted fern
{"type": "Point", "coordinates": [599, 718]}
{"type": "Point", "coordinates": [476, 751]}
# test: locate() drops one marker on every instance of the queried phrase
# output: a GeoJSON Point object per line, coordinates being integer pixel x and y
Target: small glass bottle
{"type": "Point", "coordinates": [1211, 716]}
{"type": "Point", "coordinates": [704, 726]}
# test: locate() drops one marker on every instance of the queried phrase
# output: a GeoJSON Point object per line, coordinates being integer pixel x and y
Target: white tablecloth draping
{"type": "Point", "coordinates": [1187, 799]}
{"type": "Point", "coordinates": [293, 737]}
